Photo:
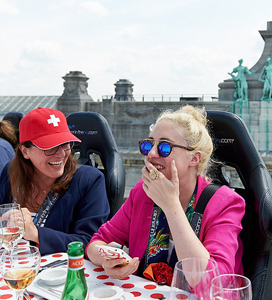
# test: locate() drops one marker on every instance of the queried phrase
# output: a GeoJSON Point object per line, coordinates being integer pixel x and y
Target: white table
{"type": "Point", "coordinates": [138, 287]}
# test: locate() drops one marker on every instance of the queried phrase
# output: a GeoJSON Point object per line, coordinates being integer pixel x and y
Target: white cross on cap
{"type": "Point", "coordinates": [53, 120]}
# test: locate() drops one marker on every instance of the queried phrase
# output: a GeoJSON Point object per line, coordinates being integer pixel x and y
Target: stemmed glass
{"type": "Point", "coordinates": [13, 225]}
{"type": "Point", "coordinates": [19, 267]}
{"type": "Point", "coordinates": [192, 278]}
{"type": "Point", "coordinates": [1, 234]}
{"type": "Point", "coordinates": [231, 287]}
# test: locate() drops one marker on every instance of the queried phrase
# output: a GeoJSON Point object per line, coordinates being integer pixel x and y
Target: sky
{"type": "Point", "coordinates": [173, 47]}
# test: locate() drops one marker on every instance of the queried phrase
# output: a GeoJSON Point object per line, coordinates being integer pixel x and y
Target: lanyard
{"type": "Point", "coordinates": [41, 216]}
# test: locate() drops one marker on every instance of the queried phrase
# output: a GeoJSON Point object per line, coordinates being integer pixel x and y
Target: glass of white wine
{"type": "Point", "coordinates": [19, 267]}
{"type": "Point", "coordinates": [13, 224]}
{"type": "Point", "coordinates": [1, 234]}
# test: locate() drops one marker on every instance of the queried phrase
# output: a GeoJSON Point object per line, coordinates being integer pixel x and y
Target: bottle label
{"type": "Point", "coordinates": [76, 263]}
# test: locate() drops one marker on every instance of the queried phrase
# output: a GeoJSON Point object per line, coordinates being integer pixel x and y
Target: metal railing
{"type": "Point", "coordinates": [166, 97]}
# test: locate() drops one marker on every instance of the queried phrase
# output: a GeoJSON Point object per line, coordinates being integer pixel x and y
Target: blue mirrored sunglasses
{"type": "Point", "coordinates": [164, 148]}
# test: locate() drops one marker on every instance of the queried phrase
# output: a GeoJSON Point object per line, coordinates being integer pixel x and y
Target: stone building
{"type": "Point", "coordinates": [130, 119]}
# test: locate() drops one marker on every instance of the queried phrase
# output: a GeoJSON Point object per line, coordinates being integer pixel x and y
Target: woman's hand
{"type": "Point", "coordinates": [116, 269]}
{"type": "Point", "coordinates": [31, 231]}
{"type": "Point", "coordinates": [161, 190]}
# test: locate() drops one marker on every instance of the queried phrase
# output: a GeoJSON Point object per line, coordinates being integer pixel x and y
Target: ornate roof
{"type": "Point", "coordinates": [25, 104]}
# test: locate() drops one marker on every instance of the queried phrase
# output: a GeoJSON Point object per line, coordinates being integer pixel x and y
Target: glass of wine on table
{"type": "Point", "coordinates": [1, 235]}
{"type": "Point", "coordinates": [19, 267]}
{"type": "Point", "coordinates": [12, 223]}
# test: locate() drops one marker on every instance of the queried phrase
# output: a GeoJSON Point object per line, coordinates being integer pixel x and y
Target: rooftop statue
{"type": "Point", "coordinates": [240, 82]}
{"type": "Point", "coordinates": [266, 78]}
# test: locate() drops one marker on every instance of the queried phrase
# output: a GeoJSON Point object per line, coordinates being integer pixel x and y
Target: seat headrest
{"type": "Point", "coordinates": [14, 118]}
{"type": "Point", "coordinates": [96, 136]}
{"type": "Point", "coordinates": [94, 132]}
{"type": "Point", "coordinates": [233, 142]}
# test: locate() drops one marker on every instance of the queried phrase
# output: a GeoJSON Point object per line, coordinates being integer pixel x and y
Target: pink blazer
{"type": "Point", "coordinates": [220, 229]}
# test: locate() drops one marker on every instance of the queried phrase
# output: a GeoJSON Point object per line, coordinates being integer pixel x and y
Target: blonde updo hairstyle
{"type": "Point", "coordinates": [194, 121]}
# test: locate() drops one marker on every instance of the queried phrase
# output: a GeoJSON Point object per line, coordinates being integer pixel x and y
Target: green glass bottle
{"type": "Point", "coordinates": [75, 287]}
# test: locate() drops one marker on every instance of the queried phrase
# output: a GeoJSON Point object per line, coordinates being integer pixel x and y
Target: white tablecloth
{"type": "Point", "coordinates": [137, 287]}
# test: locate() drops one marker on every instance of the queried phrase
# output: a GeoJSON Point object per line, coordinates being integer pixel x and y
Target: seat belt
{"type": "Point", "coordinates": [202, 202]}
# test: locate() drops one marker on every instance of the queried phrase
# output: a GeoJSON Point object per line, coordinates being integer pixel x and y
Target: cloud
{"type": "Point", "coordinates": [40, 52]}
{"type": "Point", "coordinates": [8, 8]}
{"type": "Point", "coordinates": [127, 32]}
{"type": "Point", "coordinates": [94, 7]}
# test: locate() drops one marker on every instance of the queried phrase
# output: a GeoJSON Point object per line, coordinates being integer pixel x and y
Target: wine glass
{"type": "Point", "coordinates": [1, 234]}
{"type": "Point", "coordinates": [192, 278]}
{"type": "Point", "coordinates": [231, 287]}
{"type": "Point", "coordinates": [19, 267]}
{"type": "Point", "coordinates": [13, 225]}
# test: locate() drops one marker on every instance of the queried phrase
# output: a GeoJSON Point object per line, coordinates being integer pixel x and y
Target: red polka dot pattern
{"type": "Point", "coordinates": [128, 286]}
{"type": "Point", "coordinates": [23, 262]}
{"type": "Point", "coordinates": [138, 287]}
{"type": "Point", "coordinates": [102, 277]}
{"type": "Point", "coordinates": [156, 296]}
{"type": "Point", "coordinates": [150, 286]}
{"type": "Point", "coordinates": [22, 243]}
{"type": "Point", "coordinates": [125, 278]}
{"type": "Point", "coordinates": [6, 296]}
{"type": "Point", "coordinates": [98, 269]}
{"type": "Point", "coordinates": [108, 283]}
{"type": "Point", "coordinates": [182, 296]}
{"type": "Point", "coordinates": [57, 255]}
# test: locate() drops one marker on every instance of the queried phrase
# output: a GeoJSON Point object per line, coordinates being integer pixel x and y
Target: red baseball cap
{"type": "Point", "coordinates": [46, 128]}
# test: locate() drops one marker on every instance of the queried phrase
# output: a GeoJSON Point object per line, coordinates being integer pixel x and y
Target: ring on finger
{"type": "Point", "coordinates": [154, 174]}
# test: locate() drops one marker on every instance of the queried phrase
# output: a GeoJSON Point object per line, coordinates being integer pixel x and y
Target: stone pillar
{"type": "Point", "coordinates": [265, 127]}
{"type": "Point", "coordinates": [255, 87]}
{"type": "Point", "coordinates": [108, 110]}
{"type": "Point", "coordinates": [242, 109]}
{"type": "Point", "coordinates": [75, 93]}
{"type": "Point", "coordinates": [123, 90]}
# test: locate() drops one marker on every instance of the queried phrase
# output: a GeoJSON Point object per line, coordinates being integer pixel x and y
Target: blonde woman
{"type": "Point", "coordinates": [154, 222]}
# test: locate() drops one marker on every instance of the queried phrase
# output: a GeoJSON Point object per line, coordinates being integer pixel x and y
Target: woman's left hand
{"type": "Point", "coordinates": [161, 190]}
{"type": "Point", "coordinates": [115, 268]}
{"type": "Point", "coordinates": [31, 231]}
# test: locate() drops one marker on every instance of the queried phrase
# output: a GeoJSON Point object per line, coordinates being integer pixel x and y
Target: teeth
{"type": "Point", "coordinates": [159, 167]}
{"type": "Point", "coordinates": [55, 163]}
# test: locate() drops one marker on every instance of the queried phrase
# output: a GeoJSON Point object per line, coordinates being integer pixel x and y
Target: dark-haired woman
{"type": "Point", "coordinates": [60, 203]}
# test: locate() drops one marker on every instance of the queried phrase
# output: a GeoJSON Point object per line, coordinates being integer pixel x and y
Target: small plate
{"type": "Point", "coordinates": [110, 292]}
{"type": "Point", "coordinates": [53, 276]}
{"type": "Point", "coordinates": [107, 292]}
